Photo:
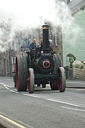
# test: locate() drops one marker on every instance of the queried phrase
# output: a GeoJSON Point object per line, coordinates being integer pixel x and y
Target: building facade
{"type": "Point", "coordinates": [73, 40]}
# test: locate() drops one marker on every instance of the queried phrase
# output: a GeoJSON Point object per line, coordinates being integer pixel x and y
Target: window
{"type": "Point", "coordinates": [69, 1]}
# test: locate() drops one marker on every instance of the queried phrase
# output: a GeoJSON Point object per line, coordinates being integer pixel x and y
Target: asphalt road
{"type": "Point", "coordinates": [42, 109]}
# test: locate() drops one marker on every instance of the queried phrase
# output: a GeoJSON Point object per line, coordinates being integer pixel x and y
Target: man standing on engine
{"type": "Point", "coordinates": [32, 45]}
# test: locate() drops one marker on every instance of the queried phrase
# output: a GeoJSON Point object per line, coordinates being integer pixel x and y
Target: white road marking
{"type": "Point", "coordinates": [63, 102]}
{"type": "Point", "coordinates": [75, 109]}
{"type": "Point", "coordinates": [13, 91]}
{"type": "Point", "coordinates": [53, 100]}
{"type": "Point", "coordinates": [7, 87]}
{"type": "Point", "coordinates": [78, 89]}
{"type": "Point", "coordinates": [31, 95]}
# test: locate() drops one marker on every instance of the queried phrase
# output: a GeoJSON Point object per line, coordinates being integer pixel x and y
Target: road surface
{"type": "Point", "coordinates": [42, 109]}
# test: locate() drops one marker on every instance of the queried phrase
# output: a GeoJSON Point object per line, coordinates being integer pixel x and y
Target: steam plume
{"type": "Point", "coordinates": [28, 14]}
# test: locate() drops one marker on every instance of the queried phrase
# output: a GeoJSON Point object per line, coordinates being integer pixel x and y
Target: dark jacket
{"type": "Point", "coordinates": [31, 46]}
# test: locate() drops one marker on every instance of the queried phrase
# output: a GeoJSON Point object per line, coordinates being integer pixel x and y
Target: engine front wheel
{"type": "Point", "coordinates": [62, 79]}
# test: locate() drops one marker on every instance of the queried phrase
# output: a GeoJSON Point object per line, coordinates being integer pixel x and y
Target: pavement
{"type": "Point", "coordinates": [75, 84]}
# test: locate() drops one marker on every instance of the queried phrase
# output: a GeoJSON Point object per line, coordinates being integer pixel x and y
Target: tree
{"type": "Point", "coordinates": [72, 58]}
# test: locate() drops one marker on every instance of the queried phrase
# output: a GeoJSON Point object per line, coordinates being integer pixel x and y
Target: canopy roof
{"type": "Point", "coordinates": [76, 5]}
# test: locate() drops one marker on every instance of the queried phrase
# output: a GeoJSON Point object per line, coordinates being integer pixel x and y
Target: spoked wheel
{"type": "Point", "coordinates": [54, 85]}
{"type": "Point", "coordinates": [30, 84]}
{"type": "Point", "coordinates": [18, 79]}
{"type": "Point", "coordinates": [62, 79]}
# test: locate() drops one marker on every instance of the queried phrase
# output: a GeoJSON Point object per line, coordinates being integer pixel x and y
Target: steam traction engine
{"type": "Point", "coordinates": [40, 66]}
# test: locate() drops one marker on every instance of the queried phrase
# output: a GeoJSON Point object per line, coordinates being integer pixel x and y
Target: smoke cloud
{"type": "Point", "coordinates": [28, 14]}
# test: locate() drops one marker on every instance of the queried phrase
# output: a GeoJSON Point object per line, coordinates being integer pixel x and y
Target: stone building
{"type": "Point", "coordinates": [74, 40]}
{"type": "Point", "coordinates": [5, 49]}
{"type": "Point", "coordinates": [65, 40]}
{"type": "Point", "coordinates": [6, 63]}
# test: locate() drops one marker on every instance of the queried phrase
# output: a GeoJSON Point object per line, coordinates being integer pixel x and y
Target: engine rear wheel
{"type": "Point", "coordinates": [30, 84]}
{"type": "Point", "coordinates": [43, 85]}
{"type": "Point", "coordinates": [25, 69]}
{"type": "Point", "coordinates": [54, 85]}
{"type": "Point", "coordinates": [59, 60]}
{"type": "Point", "coordinates": [62, 79]}
{"type": "Point", "coordinates": [14, 79]}
{"type": "Point", "coordinates": [56, 62]}
{"type": "Point", "coordinates": [19, 72]}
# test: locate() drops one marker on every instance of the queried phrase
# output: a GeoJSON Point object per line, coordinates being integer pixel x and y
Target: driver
{"type": "Point", "coordinates": [32, 45]}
